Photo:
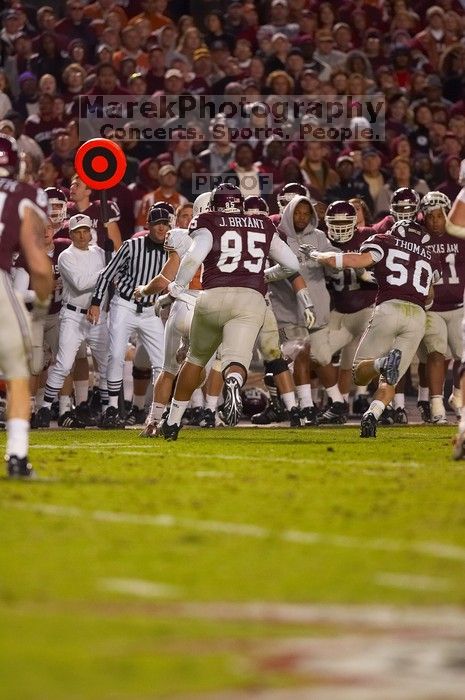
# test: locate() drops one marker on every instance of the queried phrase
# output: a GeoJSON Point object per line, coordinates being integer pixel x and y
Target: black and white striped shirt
{"type": "Point", "coordinates": [136, 262]}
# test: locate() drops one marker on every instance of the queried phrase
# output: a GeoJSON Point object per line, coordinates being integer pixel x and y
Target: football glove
{"type": "Point", "coordinates": [162, 302]}
{"type": "Point", "coordinates": [366, 276]}
{"type": "Point", "coordinates": [306, 308]}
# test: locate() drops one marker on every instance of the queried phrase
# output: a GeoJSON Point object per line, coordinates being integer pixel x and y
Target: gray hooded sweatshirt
{"type": "Point", "coordinates": [282, 295]}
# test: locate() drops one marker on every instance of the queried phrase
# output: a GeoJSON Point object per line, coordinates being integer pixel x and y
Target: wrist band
{"type": "Point", "coordinates": [339, 261]}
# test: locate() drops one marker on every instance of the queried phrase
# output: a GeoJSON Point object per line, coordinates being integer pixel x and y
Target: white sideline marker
{"type": "Point", "coordinates": [412, 582]}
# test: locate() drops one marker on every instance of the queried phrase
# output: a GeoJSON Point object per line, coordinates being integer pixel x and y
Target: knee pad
{"type": "Point", "coordinates": [276, 366]}
{"type": "Point", "coordinates": [138, 373]}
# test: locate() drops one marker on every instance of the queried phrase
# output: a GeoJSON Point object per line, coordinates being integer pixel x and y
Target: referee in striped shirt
{"type": "Point", "coordinates": [137, 262]}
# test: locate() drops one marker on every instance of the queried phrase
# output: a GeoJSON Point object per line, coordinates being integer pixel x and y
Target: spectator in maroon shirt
{"type": "Point", "coordinates": [49, 173]}
{"type": "Point", "coordinates": [75, 25]}
{"type": "Point", "coordinates": [40, 126]}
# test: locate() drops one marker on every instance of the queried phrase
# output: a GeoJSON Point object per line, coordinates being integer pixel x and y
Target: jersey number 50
{"type": "Point", "coordinates": [398, 261]}
{"type": "Point", "coordinates": [231, 247]}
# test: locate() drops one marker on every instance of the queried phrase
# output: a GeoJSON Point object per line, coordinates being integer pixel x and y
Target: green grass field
{"type": "Point", "coordinates": [136, 569]}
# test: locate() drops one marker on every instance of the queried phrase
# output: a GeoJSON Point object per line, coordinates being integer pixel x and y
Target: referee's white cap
{"type": "Point", "coordinates": [79, 220]}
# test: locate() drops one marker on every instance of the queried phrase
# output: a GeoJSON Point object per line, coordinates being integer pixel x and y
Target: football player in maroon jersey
{"type": "Point", "coordinates": [405, 269]}
{"type": "Point", "coordinates": [455, 226]}
{"type": "Point", "coordinates": [22, 218]}
{"type": "Point", "coordinates": [230, 310]}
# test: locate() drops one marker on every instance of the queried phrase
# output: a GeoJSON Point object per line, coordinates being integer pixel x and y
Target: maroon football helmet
{"type": "Point", "coordinates": [255, 205]}
{"type": "Point", "coordinates": [288, 192]}
{"type": "Point", "coordinates": [405, 204]}
{"type": "Point", "coordinates": [340, 219]}
{"type": "Point", "coordinates": [57, 204]}
{"type": "Point", "coordinates": [254, 400]}
{"type": "Point", "coordinates": [227, 198]}
{"type": "Point", "coordinates": [9, 156]}
{"type": "Point", "coordinates": [401, 228]}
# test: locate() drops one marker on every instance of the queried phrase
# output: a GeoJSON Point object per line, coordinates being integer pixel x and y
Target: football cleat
{"type": "Point", "coordinates": [209, 419]}
{"type": "Point", "coordinates": [269, 415]}
{"type": "Point", "coordinates": [308, 416]}
{"type": "Point", "coordinates": [425, 411]}
{"type": "Point", "coordinates": [84, 414]}
{"type": "Point", "coordinates": [111, 419]}
{"type": "Point", "coordinates": [368, 425]}
{"type": "Point", "coordinates": [18, 468]}
{"type": "Point", "coordinates": [459, 446]}
{"type": "Point", "coordinates": [231, 409]}
{"type": "Point", "coordinates": [360, 404]}
{"type": "Point", "coordinates": [70, 420]}
{"type": "Point", "coordinates": [43, 417]}
{"type": "Point", "coordinates": [196, 416]}
{"type": "Point", "coordinates": [294, 417]}
{"type": "Point", "coordinates": [439, 420]}
{"type": "Point", "coordinates": [455, 404]}
{"type": "Point", "coordinates": [388, 416]}
{"type": "Point", "coordinates": [390, 366]}
{"type": "Point", "coordinates": [335, 414]}
{"type": "Point", "coordinates": [400, 416]}
{"type": "Point", "coordinates": [169, 432]}
{"type": "Point", "coordinates": [149, 429]}
{"type": "Point", "coordinates": [136, 416]}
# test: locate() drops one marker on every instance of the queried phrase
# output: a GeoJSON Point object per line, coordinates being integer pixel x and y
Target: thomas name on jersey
{"type": "Point", "coordinates": [413, 247]}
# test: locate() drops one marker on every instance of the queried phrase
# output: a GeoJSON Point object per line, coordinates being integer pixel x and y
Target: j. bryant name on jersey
{"type": "Point", "coordinates": [414, 248]}
{"type": "Point", "coordinates": [444, 247]}
{"type": "Point", "coordinates": [241, 221]}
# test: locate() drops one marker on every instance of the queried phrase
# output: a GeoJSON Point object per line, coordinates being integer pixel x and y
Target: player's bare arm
{"type": "Point", "coordinates": [162, 280]}
{"type": "Point", "coordinates": [32, 243]}
{"type": "Point", "coordinates": [340, 261]}
{"type": "Point", "coordinates": [114, 234]}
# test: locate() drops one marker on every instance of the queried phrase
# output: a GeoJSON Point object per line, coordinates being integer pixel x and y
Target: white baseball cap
{"type": "Point", "coordinates": [79, 220]}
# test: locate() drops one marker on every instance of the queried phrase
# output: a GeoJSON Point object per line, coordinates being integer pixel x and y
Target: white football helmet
{"type": "Point", "coordinates": [202, 203]}
{"type": "Point", "coordinates": [435, 200]}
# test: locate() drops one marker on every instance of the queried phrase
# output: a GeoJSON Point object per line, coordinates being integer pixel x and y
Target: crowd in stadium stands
{"type": "Point", "coordinates": [412, 52]}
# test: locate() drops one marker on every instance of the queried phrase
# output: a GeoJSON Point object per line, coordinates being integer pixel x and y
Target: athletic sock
{"type": "Point", "coordinates": [64, 404]}
{"type": "Point", "coordinates": [423, 393]}
{"type": "Point", "coordinates": [289, 400]}
{"type": "Point", "coordinates": [17, 437]}
{"type": "Point", "coordinates": [128, 381]}
{"type": "Point", "coordinates": [176, 412]}
{"type": "Point", "coordinates": [112, 401]}
{"type": "Point", "coordinates": [197, 399]}
{"type": "Point", "coordinates": [399, 401]}
{"type": "Point", "coordinates": [304, 395]}
{"type": "Point", "coordinates": [437, 406]}
{"type": "Point", "coordinates": [211, 402]}
{"type": "Point", "coordinates": [376, 408]}
{"type": "Point", "coordinates": [334, 394]}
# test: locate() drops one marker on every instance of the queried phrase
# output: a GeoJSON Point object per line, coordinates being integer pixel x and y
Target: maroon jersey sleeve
{"type": "Point", "coordinates": [448, 292]}
{"type": "Point", "coordinates": [15, 197]}
{"type": "Point", "coordinates": [348, 292]}
{"type": "Point", "coordinates": [405, 267]}
{"type": "Point", "coordinates": [240, 248]}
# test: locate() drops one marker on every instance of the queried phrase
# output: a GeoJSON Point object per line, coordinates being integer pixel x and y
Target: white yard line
{"type": "Point", "coordinates": [436, 550]}
{"type": "Point", "coordinates": [412, 582]}
{"type": "Point", "coordinates": [139, 588]}
{"type": "Point", "coordinates": [142, 450]}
